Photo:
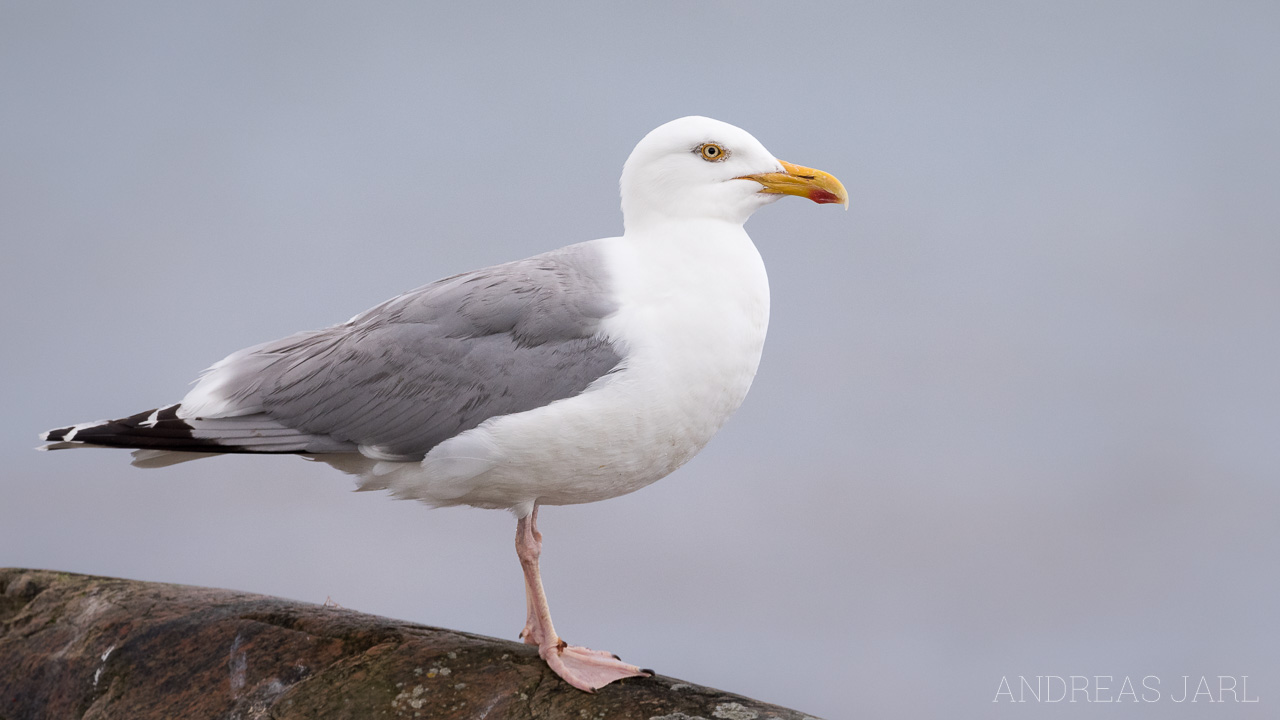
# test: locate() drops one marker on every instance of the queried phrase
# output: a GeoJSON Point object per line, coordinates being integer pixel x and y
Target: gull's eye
{"type": "Point", "coordinates": [712, 152]}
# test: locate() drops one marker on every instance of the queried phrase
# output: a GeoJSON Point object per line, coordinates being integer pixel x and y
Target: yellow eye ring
{"type": "Point", "coordinates": [712, 152]}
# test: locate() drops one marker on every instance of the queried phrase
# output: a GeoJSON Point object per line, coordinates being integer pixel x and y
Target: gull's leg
{"type": "Point", "coordinates": [582, 668]}
{"type": "Point", "coordinates": [530, 633]}
{"type": "Point", "coordinates": [530, 624]}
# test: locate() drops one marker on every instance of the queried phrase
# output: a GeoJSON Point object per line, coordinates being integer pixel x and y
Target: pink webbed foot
{"type": "Point", "coordinates": [586, 669]}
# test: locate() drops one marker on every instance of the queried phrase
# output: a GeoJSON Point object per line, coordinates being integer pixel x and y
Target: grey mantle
{"type": "Point", "coordinates": [79, 646]}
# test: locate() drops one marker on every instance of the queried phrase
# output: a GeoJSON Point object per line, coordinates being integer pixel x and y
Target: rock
{"type": "Point", "coordinates": [79, 646]}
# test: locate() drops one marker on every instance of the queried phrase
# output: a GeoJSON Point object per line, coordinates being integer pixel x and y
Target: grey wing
{"type": "Point", "coordinates": [403, 377]}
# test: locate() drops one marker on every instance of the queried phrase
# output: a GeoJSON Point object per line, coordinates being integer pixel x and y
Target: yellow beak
{"type": "Point", "coordinates": [816, 185]}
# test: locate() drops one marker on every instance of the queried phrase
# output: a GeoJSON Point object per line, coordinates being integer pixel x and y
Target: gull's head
{"type": "Point", "coordinates": [699, 168]}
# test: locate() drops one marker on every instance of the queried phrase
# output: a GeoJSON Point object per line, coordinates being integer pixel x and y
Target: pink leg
{"type": "Point", "coordinates": [584, 669]}
{"type": "Point", "coordinates": [530, 633]}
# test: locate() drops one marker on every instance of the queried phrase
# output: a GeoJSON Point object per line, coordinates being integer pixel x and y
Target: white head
{"type": "Point", "coordinates": [699, 168]}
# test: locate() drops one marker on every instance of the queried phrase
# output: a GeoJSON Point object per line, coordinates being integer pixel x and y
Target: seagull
{"type": "Point", "coordinates": [573, 376]}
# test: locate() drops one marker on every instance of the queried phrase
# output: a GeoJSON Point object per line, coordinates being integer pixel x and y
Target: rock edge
{"type": "Point", "coordinates": [81, 646]}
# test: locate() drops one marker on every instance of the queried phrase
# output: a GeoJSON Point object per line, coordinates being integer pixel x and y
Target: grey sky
{"type": "Point", "coordinates": [1018, 410]}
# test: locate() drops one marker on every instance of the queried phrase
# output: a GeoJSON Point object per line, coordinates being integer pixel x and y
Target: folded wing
{"type": "Point", "coordinates": [399, 379]}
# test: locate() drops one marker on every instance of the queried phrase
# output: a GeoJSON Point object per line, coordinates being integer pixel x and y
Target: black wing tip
{"type": "Point", "coordinates": [155, 428]}
{"type": "Point", "coordinates": [158, 429]}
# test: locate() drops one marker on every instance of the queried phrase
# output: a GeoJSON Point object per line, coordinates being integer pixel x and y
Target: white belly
{"type": "Point", "coordinates": [693, 311]}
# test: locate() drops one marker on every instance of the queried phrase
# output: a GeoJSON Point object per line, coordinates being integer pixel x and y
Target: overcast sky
{"type": "Point", "coordinates": [1018, 410]}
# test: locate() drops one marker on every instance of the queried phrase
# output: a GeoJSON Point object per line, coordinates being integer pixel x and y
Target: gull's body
{"type": "Point", "coordinates": [569, 377]}
{"type": "Point", "coordinates": [656, 409]}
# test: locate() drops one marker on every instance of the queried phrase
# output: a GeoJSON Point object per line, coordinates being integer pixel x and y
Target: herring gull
{"type": "Point", "coordinates": [573, 376]}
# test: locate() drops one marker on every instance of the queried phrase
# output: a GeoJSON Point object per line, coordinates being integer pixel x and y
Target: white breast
{"type": "Point", "coordinates": [693, 310]}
